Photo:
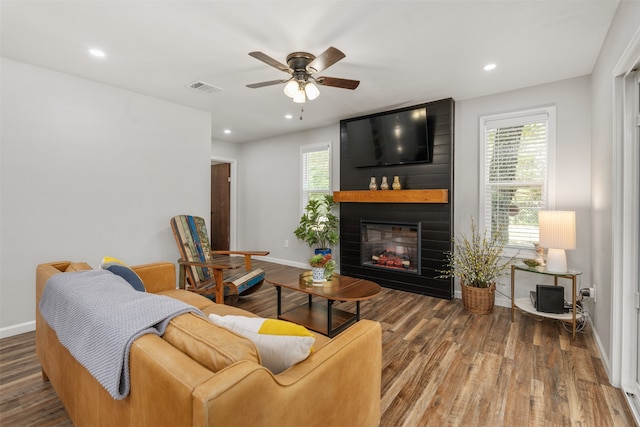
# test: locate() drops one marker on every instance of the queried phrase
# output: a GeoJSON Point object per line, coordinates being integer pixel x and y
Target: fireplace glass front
{"type": "Point", "coordinates": [394, 246]}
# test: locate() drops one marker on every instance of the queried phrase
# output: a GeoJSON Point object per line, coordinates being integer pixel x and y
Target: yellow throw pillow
{"type": "Point", "coordinates": [281, 344]}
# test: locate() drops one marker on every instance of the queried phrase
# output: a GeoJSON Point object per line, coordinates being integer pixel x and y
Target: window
{"type": "Point", "coordinates": [316, 171]}
{"type": "Point", "coordinates": [517, 170]}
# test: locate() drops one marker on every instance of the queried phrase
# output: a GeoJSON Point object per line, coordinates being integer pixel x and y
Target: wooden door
{"type": "Point", "coordinates": [220, 206]}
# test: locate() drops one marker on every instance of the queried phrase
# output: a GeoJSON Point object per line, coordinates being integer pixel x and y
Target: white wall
{"type": "Point", "coordinates": [624, 27]}
{"type": "Point", "coordinates": [269, 200]}
{"type": "Point", "coordinates": [572, 100]}
{"type": "Point", "coordinates": [225, 150]}
{"type": "Point", "coordinates": [89, 170]}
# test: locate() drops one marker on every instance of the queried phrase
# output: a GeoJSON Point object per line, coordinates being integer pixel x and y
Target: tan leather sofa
{"type": "Point", "coordinates": [199, 374]}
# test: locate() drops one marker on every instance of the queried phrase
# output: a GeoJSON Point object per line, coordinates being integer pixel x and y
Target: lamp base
{"type": "Point", "coordinates": [556, 261]}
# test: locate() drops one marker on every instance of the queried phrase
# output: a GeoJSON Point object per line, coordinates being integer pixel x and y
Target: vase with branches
{"type": "Point", "coordinates": [477, 260]}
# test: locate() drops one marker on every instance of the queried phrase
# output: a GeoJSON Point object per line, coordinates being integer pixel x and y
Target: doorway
{"type": "Point", "coordinates": [220, 206]}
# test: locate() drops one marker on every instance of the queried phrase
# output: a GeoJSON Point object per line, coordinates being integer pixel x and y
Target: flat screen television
{"type": "Point", "coordinates": [390, 138]}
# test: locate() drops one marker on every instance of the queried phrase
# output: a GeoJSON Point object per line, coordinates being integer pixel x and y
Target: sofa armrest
{"type": "Point", "coordinates": [45, 271]}
{"type": "Point", "coordinates": [338, 385]}
{"type": "Point", "coordinates": [159, 276]}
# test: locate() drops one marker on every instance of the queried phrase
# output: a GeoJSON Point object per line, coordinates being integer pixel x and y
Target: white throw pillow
{"type": "Point", "coordinates": [281, 344]}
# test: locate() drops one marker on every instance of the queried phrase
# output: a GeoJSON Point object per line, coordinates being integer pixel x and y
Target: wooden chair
{"type": "Point", "coordinates": [208, 272]}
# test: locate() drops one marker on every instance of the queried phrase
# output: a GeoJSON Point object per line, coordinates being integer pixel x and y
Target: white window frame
{"type": "Point", "coordinates": [513, 119]}
{"type": "Point", "coordinates": [304, 149]}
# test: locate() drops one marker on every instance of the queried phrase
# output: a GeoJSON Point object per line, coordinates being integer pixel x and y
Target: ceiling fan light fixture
{"type": "Point", "coordinates": [302, 85]}
{"type": "Point", "coordinates": [291, 88]}
{"type": "Point", "coordinates": [312, 91]}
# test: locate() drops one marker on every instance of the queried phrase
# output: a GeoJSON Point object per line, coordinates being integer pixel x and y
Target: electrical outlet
{"type": "Point", "coordinates": [592, 292]}
{"type": "Point", "coordinates": [286, 243]}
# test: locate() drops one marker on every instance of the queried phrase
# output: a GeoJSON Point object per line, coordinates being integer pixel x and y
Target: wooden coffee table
{"type": "Point", "coordinates": [321, 316]}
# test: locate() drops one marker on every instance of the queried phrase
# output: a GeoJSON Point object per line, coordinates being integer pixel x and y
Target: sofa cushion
{"type": "Point", "coordinates": [121, 269]}
{"type": "Point", "coordinates": [213, 347]}
{"type": "Point", "coordinates": [281, 344]}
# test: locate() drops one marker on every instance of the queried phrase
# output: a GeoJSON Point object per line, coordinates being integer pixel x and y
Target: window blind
{"type": "Point", "coordinates": [515, 176]}
{"type": "Point", "coordinates": [316, 171]}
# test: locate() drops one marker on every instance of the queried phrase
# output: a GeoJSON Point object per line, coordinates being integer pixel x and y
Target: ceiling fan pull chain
{"type": "Point", "coordinates": [301, 111]}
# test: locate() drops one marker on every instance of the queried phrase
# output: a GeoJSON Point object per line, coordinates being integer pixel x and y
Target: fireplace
{"type": "Point", "coordinates": [371, 220]}
{"type": "Point", "coordinates": [389, 245]}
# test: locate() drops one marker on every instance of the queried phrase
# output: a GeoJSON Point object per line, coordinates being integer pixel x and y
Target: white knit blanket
{"type": "Point", "coordinates": [97, 315]}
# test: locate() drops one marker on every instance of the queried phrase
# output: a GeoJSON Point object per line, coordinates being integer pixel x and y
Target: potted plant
{"type": "Point", "coordinates": [322, 268]}
{"type": "Point", "coordinates": [477, 261]}
{"type": "Point", "coordinates": [318, 225]}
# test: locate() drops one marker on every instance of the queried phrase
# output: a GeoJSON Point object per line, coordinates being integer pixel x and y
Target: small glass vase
{"type": "Point", "coordinates": [372, 184]}
{"type": "Point", "coordinates": [384, 185]}
{"type": "Point", "coordinates": [396, 183]}
{"type": "Point", "coordinates": [318, 276]}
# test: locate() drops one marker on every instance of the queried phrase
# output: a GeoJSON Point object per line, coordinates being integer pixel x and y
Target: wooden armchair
{"type": "Point", "coordinates": [209, 272]}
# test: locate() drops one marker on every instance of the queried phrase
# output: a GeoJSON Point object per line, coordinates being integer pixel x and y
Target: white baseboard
{"type": "Point", "coordinates": [18, 329]}
{"type": "Point", "coordinates": [283, 262]}
{"type": "Point", "coordinates": [633, 405]}
{"type": "Point", "coordinates": [603, 354]}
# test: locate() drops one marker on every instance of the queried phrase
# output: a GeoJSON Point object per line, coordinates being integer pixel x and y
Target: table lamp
{"type": "Point", "coordinates": [557, 233]}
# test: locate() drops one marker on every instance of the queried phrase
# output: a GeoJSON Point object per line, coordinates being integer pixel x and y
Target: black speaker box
{"type": "Point", "coordinates": [550, 299]}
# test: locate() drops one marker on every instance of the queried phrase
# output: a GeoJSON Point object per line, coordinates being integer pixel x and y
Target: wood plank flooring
{"type": "Point", "coordinates": [442, 366]}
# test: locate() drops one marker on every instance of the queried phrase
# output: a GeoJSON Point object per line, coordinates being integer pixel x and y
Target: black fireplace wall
{"type": "Point", "coordinates": [436, 219]}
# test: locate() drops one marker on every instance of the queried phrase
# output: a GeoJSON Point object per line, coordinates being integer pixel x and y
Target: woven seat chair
{"type": "Point", "coordinates": [203, 272]}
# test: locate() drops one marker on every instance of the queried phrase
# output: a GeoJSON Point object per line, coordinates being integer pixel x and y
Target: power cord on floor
{"type": "Point", "coordinates": [581, 319]}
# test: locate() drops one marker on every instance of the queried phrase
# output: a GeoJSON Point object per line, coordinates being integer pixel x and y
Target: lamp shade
{"type": "Point", "coordinates": [312, 91]}
{"type": "Point", "coordinates": [300, 97]}
{"type": "Point", "coordinates": [291, 88]}
{"type": "Point", "coordinates": [557, 233]}
{"type": "Point", "coordinates": [557, 229]}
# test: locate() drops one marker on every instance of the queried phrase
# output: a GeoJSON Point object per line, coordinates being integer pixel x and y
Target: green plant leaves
{"type": "Point", "coordinates": [318, 226]}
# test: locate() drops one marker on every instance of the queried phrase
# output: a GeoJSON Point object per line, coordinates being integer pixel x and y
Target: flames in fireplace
{"type": "Point", "coordinates": [391, 259]}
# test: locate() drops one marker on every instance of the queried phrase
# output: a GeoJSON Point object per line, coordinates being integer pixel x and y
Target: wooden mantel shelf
{"type": "Point", "coordinates": [392, 196]}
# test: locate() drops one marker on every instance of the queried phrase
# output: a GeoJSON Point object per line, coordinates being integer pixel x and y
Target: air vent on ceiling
{"type": "Point", "coordinates": [204, 87]}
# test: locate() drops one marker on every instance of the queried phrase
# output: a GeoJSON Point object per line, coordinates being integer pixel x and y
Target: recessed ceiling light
{"type": "Point", "coordinates": [97, 53]}
{"type": "Point", "coordinates": [288, 116]}
{"type": "Point", "coordinates": [489, 67]}
{"type": "Point", "coordinates": [227, 131]}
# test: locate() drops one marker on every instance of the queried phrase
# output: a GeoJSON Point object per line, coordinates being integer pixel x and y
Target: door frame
{"type": "Point", "coordinates": [626, 230]}
{"type": "Point", "coordinates": [233, 199]}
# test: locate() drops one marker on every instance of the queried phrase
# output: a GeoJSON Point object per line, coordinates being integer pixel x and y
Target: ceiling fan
{"type": "Point", "coordinates": [302, 65]}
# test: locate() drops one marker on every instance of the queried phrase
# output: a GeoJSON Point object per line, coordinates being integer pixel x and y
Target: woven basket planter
{"type": "Point", "coordinates": [478, 300]}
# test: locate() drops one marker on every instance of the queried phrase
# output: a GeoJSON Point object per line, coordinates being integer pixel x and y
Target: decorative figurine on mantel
{"type": "Point", "coordinates": [372, 184]}
{"type": "Point", "coordinates": [396, 183]}
{"type": "Point", "coordinates": [384, 185]}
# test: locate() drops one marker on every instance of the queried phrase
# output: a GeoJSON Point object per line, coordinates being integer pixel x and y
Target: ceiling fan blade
{"type": "Point", "coordinates": [336, 82]}
{"type": "Point", "coordinates": [269, 83]}
{"type": "Point", "coordinates": [325, 60]}
{"type": "Point", "coordinates": [270, 61]}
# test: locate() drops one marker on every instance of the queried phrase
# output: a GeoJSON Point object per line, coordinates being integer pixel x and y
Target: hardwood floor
{"type": "Point", "coordinates": [442, 366]}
